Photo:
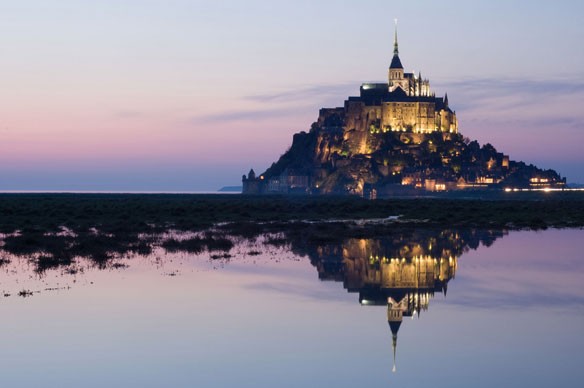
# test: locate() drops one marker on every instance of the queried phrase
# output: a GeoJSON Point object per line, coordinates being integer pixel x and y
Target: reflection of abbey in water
{"type": "Point", "coordinates": [405, 282]}
{"type": "Point", "coordinates": [403, 272]}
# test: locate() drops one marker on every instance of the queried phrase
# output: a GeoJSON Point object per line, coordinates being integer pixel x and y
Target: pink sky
{"type": "Point", "coordinates": [189, 96]}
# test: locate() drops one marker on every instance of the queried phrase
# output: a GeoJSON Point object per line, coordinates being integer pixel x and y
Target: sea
{"type": "Point", "coordinates": [418, 308]}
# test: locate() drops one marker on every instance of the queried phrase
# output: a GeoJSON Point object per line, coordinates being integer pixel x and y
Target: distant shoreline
{"type": "Point", "coordinates": [130, 192]}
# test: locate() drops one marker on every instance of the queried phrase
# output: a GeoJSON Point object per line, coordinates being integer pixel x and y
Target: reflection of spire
{"type": "Point", "coordinates": [394, 346]}
{"type": "Point", "coordinates": [394, 318]}
{"type": "Point", "coordinates": [394, 326]}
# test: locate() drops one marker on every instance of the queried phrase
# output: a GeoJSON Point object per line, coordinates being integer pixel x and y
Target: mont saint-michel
{"type": "Point", "coordinates": [395, 138]}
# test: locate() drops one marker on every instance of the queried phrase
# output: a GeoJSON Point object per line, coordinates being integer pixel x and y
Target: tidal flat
{"type": "Point", "coordinates": [157, 212]}
{"type": "Point", "coordinates": [158, 290]}
{"type": "Point", "coordinates": [55, 230]}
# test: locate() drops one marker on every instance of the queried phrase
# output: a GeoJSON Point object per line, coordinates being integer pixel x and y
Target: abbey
{"type": "Point", "coordinates": [405, 103]}
{"type": "Point", "coordinates": [395, 138]}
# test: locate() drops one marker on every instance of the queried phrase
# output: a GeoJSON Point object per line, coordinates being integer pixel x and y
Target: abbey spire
{"type": "Point", "coordinates": [395, 47]}
{"type": "Point", "coordinates": [396, 70]}
{"type": "Point", "coordinates": [395, 62]}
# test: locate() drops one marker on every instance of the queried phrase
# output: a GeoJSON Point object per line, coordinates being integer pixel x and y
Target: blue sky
{"type": "Point", "coordinates": [188, 95]}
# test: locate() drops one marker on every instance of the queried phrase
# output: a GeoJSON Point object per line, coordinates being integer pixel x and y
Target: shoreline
{"type": "Point", "coordinates": [54, 230]}
{"type": "Point", "coordinates": [136, 213]}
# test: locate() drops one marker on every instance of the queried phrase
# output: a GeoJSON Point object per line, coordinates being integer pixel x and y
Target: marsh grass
{"type": "Point", "coordinates": [141, 213]}
{"type": "Point", "coordinates": [198, 244]}
{"type": "Point", "coordinates": [53, 230]}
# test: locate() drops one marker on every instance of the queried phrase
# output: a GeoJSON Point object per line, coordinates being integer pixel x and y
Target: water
{"type": "Point", "coordinates": [306, 315]}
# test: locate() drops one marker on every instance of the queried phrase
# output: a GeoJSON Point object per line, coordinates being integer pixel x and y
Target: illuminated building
{"type": "Point", "coordinates": [395, 139]}
{"type": "Point", "coordinates": [404, 103]}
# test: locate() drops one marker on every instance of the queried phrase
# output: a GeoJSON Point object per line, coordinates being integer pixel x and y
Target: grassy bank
{"type": "Point", "coordinates": [110, 226]}
{"type": "Point", "coordinates": [115, 213]}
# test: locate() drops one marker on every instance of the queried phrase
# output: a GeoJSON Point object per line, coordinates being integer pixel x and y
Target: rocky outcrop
{"type": "Point", "coordinates": [342, 160]}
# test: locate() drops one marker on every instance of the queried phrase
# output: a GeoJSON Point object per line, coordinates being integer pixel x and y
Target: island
{"type": "Point", "coordinates": [395, 138]}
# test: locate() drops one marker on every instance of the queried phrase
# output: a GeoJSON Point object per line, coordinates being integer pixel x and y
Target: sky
{"type": "Point", "coordinates": [177, 95]}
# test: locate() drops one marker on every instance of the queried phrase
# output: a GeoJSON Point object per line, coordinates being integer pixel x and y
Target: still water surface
{"type": "Point", "coordinates": [453, 312]}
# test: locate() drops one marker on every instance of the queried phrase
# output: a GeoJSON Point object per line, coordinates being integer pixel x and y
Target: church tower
{"type": "Point", "coordinates": [395, 315]}
{"type": "Point", "coordinates": [396, 70]}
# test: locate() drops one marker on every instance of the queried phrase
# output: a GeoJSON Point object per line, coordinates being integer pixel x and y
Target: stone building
{"type": "Point", "coordinates": [404, 103]}
{"type": "Point", "coordinates": [395, 138]}
{"type": "Point", "coordinates": [252, 184]}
